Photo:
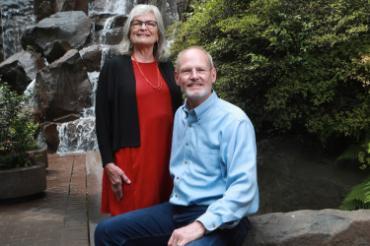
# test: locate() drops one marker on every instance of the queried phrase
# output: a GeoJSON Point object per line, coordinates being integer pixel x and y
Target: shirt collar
{"type": "Point", "coordinates": [202, 108]}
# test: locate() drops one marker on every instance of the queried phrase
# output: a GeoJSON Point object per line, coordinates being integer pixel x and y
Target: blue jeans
{"type": "Point", "coordinates": [154, 226]}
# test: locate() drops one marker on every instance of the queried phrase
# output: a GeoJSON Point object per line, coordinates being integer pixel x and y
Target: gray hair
{"type": "Point", "coordinates": [125, 46]}
{"type": "Point", "coordinates": [195, 47]}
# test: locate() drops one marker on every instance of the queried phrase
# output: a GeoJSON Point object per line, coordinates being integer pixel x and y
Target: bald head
{"type": "Point", "coordinates": [192, 48]}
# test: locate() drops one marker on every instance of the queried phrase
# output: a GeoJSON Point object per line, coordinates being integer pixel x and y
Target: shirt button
{"type": "Point", "coordinates": [186, 162]}
{"type": "Point", "coordinates": [186, 144]}
{"type": "Point", "coordinates": [190, 125]}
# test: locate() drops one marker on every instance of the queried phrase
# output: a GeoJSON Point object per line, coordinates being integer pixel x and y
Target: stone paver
{"type": "Point", "coordinates": [66, 214]}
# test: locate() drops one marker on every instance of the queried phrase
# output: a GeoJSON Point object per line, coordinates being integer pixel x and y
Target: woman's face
{"type": "Point", "coordinates": [144, 30]}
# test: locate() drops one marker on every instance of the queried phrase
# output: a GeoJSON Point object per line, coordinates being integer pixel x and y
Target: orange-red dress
{"type": "Point", "coordinates": [147, 166]}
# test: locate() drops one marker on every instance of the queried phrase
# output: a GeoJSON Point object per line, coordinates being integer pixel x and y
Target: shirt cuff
{"type": "Point", "coordinates": [210, 221]}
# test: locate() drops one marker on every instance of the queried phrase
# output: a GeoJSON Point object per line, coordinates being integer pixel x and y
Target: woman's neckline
{"type": "Point", "coordinates": [151, 62]}
{"type": "Point", "coordinates": [142, 61]}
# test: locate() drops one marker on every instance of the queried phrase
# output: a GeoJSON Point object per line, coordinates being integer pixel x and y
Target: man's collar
{"type": "Point", "coordinates": [203, 107]}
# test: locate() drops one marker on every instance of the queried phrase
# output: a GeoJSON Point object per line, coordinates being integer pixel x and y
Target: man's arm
{"type": "Point", "coordinates": [238, 153]}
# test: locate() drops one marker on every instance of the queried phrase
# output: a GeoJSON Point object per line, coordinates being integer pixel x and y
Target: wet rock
{"type": "Point", "coordinates": [66, 118]}
{"type": "Point", "coordinates": [108, 28]}
{"type": "Point", "coordinates": [112, 36]}
{"type": "Point", "coordinates": [54, 35]}
{"type": "Point", "coordinates": [15, 76]}
{"type": "Point", "coordinates": [62, 88]}
{"type": "Point", "coordinates": [91, 57]}
{"type": "Point", "coordinates": [20, 69]}
{"type": "Point", "coordinates": [168, 8]}
{"type": "Point", "coordinates": [44, 8]}
{"type": "Point", "coordinates": [68, 5]}
{"type": "Point", "coordinates": [50, 134]}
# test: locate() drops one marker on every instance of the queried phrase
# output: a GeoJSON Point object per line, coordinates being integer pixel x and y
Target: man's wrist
{"type": "Point", "coordinates": [202, 227]}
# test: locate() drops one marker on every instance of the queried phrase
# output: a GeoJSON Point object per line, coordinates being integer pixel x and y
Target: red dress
{"type": "Point", "coordinates": [146, 166]}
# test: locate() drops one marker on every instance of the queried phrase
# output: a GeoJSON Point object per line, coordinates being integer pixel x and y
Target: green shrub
{"type": "Point", "coordinates": [292, 65]}
{"type": "Point", "coordinates": [17, 130]}
{"type": "Point", "coordinates": [358, 198]}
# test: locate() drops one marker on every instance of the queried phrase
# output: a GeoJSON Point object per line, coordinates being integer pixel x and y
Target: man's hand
{"type": "Point", "coordinates": [116, 177]}
{"type": "Point", "coordinates": [186, 234]}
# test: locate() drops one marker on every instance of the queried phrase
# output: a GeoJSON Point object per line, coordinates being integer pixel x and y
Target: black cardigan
{"type": "Point", "coordinates": [117, 123]}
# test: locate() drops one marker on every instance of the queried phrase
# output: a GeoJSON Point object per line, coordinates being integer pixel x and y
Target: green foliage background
{"type": "Point", "coordinates": [291, 65]}
{"type": "Point", "coordinates": [294, 66]}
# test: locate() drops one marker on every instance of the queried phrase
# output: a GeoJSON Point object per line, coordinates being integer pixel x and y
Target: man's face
{"type": "Point", "coordinates": [195, 76]}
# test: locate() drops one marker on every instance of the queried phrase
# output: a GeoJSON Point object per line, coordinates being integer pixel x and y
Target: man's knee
{"type": "Point", "coordinates": [105, 234]}
{"type": "Point", "coordinates": [101, 235]}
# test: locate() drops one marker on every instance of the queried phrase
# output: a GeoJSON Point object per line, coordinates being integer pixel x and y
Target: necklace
{"type": "Point", "coordinates": [158, 84]}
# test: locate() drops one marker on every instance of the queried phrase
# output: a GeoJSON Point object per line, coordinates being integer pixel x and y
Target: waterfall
{"type": "Point", "coordinates": [79, 135]}
{"type": "Point", "coordinates": [115, 7]}
{"type": "Point", "coordinates": [16, 16]}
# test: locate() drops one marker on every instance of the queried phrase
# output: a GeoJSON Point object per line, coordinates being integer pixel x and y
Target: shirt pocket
{"type": "Point", "coordinates": [209, 163]}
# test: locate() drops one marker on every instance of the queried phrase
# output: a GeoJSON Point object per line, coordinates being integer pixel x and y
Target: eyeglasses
{"type": "Point", "coordinates": [139, 23]}
{"type": "Point", "coordinates": [198, 70]}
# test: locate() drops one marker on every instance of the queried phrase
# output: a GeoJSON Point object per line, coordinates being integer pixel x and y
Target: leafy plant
{"type": "Point", "coordinates": [358, 153]}
{"type": "Point", "coordinates": [358, 198]}
{"type": "Point", "coordinates": [292, 65]}
{"type": "Point", "coordinates": [17, 130]}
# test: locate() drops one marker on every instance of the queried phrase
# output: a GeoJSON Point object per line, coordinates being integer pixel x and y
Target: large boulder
{"type": "Point", "coordinates": [20, 69]}
{"type": "Point", "coordinates": [54, 35]}
{"type": "Point", "coordinates": [311, 228]}
{"type": "Point", "coordinates": [62, 88]}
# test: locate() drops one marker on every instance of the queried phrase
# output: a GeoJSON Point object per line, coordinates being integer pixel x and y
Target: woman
{"type": "Point", "coordinates": [135, 102]}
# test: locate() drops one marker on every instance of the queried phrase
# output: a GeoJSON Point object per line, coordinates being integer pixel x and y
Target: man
{"type": "Point", "coordinates": [213, 165]}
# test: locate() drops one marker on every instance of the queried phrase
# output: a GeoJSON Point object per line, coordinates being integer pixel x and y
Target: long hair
{"type": "Point", "coordinates": [126, 47]}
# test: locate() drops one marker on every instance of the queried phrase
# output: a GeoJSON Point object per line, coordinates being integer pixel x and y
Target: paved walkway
{"type": "Point", "coordinates": [66, 214]}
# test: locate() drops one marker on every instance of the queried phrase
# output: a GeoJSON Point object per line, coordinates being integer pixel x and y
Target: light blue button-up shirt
{"type": "Point", "coordinates": [213, 162]}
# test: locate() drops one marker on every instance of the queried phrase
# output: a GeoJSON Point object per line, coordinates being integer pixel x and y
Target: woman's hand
{"type": "Point", "coordinates": [116, 177]}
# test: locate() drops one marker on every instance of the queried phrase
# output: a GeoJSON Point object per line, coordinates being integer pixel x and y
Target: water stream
{"type": "Point", "coordinates": [79, 135]}
{"type": "Point", "coordinates": [16, 16]}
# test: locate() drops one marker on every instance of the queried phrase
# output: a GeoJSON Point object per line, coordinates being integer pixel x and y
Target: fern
{"type": "Point", "coordinates": [358, 198]}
